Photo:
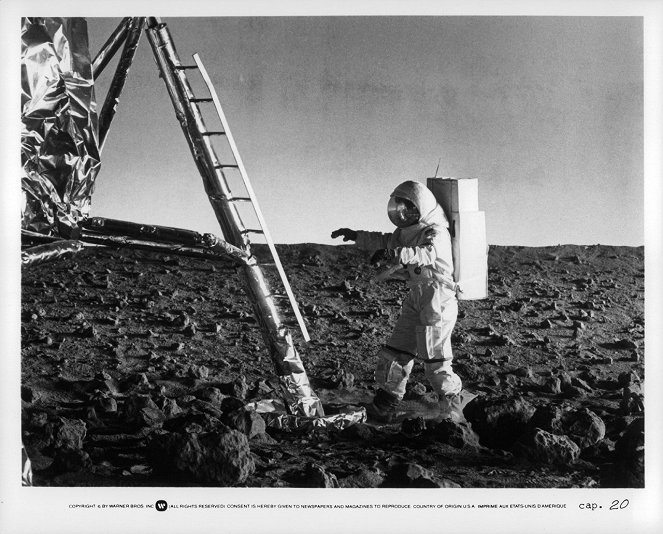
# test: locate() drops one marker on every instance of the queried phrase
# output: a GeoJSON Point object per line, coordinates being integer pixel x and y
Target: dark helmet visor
{"type": "Point", "coordinates": [402, 212]}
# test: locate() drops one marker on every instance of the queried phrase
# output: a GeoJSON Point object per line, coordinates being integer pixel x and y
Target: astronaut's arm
{"type": "Point", "coordinates": [423, 254]}
{"type": "Point", "coordinates": [372, 240]}
{"type": "Point", "coordinates": [419, 255]}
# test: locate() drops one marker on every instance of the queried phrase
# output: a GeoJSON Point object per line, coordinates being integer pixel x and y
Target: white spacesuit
{"type": "Point", "coordinates": [422, 245]}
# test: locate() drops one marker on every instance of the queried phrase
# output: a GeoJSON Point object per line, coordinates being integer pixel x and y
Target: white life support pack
{"type": "Point", "coordinates": [459, 199]}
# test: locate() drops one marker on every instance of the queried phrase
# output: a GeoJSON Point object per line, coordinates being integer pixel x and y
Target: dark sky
{"type": "Point", "coordinates": [331, 113]}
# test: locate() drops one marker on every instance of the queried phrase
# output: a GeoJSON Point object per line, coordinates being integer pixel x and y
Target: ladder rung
{"type": "Point", "coordinates": [213, 133]}
{"type": "Point", "coordinates": [239, 199]}
{"type": "Point", "coordinates": [252, 231]}
{"type": "Point", "coordinates": [201, 100]}
{"type": "Point", "coordinates": [226, 166]}
{"type": "Point", "coordinates": [185, 67]}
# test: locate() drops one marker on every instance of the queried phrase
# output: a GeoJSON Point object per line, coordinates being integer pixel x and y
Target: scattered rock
{"type": "Point", "coordinates": [580, 383]}
{"type": "Point", "coordinates": [190, 330]}
{"type": "Point", "coordinates": [229, 404]}
{"type": "Point", "coordinates": [600, 452]}
{"type": "Point", "coordinates": [170, 408]}
{"type": "Point", "coordinates": [412, 475]}
{"type": "Point", "coordinates": [212, 395]}
{"type": "Point", "coordinates": [553, 385]}
{"type": "Point", "coordinates": [413, 427]}
{"type": "Point", "coordinates": [221, 457]}
{"type": "Point", "coordinates": [456, 434]}
{"type": "Point", "coordinates": [237, 388]}
{"type": "Point", "coordinates": [69, 433]}
{"type": "Point", "coordinates": [633, 400]}
{"type": "Point", "coordinates": [547, 417]}
{"type": "Point", "coordinates": [28, 394]}
{"type": "Point", "coordinates": [198, 371]}
{"type": "Point", "coordinates": [524, 372]}
{"type": "Point", "coordinates": [565, 380]}
{"type": "Point", "coordinates": [584, 427]}
{"type": "Point", "coordinates": [625, 344]}
{"type": "Point", "coordinates": [107, 404]}
{"type": "Point", "coordinates": [68, 459]}
{"type": "Point", "coordinates": [542, 446]}
{"type": "Point", "coordinates": [316, 476]}
{"type": "Point", "coordinates": [499, 422]}
{"type": "Point", "coordinates": [416, 390]}
{"type": "Point", "coordinates": [141, 410]}
{"type": "Point", "coordinates": [364, 479]}
{"type": "Point", "coordinates": [359, 431]}
{"type": "Point", "coordinates": [248, 422]}
{"type": "Point", "coordinates": [627, 378]}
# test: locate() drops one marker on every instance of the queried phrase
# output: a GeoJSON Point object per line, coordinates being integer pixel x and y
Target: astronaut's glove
{"type": "Point", "coordinates": [346, 233]}
{"type": "Point", "coordinates": [384, 254]}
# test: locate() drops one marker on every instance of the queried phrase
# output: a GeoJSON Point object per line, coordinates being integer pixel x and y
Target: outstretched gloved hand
{"type": "Point", "coordinates": [346, 233]}
{"type": "Point", "coordinates": [383, 254]}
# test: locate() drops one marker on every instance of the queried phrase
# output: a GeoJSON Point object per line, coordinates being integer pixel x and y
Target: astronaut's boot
{"type": "Point", "coordinates": [383, 407]}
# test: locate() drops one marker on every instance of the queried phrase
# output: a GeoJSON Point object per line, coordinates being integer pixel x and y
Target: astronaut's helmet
{"type": "Point", "coordinates": [402, 212]}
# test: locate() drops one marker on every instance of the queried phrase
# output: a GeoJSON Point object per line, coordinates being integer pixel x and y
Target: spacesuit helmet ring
{"type": "Point", "coordinates": [402, 212]}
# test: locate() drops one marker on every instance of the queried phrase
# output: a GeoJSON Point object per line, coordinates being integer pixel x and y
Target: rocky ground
{"type": "Point", "coordinates": [137, 369]}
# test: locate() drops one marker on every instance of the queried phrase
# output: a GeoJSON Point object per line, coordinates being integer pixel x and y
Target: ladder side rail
{"type": "Point", "coordinates": [192, 124]}
{"type": "Point", "coordinates": [253, 197]}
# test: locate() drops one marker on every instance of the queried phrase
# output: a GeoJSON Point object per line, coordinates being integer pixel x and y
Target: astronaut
{"type": "Point", "coordinates": [419, 250]}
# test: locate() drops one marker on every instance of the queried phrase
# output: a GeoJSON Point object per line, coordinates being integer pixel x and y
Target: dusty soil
{"type": "Point", "coordinates": [108, 329]}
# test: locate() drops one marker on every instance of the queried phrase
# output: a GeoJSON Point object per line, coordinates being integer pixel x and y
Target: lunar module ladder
{"type": "Point", "coordinates": [239, 165]}
{"type": "Point", "coordinates": [299, 394]}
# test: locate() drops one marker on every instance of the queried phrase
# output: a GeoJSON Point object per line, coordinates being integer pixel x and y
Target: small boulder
{"type": "Point", "coordinates": [565, 380]}
{"type": "Point", "coordinates": [499, 422]}
{"type": "Point", "coordinates": [456, 434]}
{"type": "Point", "coordinates": [141, 410]}
{"type": "Point", "coordinates": [316, 476]}
{"type": "Point", "coordinates": [212, 395]}
{"type": "Point", "coordinates": [221, 457]}
{"type": "Point", "coordinates": [248, 422]}
{"type": "Point", "coordinates": [364, 479]}
{"type": "Point", "coordinates": [553, 385]}
{"type": "Point", "coordinates": [415, 391]}
{"type": "Point", "coordinates": [69, 433]}
{"type": "Point", "coordinates": [413, 426]}
{"type": "Point", "coordinates": [358, 431]}
{"type": "Point", "coordinates": [549, 418]}
{"type": "Point", "coordinates": [412, 475]}
{"type": "Point", "coordinates": [237, 388]}
{"type": "Point", "coordinates": [541, 446]}
{"type": "Point", "coordinates": [70, 459]}
{"type": "Point", "coordinates": [584, 427]}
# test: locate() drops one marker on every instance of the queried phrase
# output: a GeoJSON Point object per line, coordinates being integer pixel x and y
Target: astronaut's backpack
{"type": "Point", "coordinates": [459, 199]}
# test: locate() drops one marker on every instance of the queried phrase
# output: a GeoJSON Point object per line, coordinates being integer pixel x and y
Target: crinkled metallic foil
{"type": "Point", "coordinates": [291, 423]}
{"type": "Point", "coordinates": [59, 137]}
{"type": "Point", "coordinates": [26, 468]}
{"type": "Point", "coordinates": [49, 252]}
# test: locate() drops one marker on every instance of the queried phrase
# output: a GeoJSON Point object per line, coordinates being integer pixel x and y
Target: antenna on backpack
{"type": "Point", "coordinates": [438, 167]}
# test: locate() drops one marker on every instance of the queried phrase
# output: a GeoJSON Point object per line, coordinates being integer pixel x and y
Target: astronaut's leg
{"type": "Point", "coordinates": [438, 318]}
{"type": "Point", "coordinates": [393, 370]}
{"type": "Point", "coordinates": [394, 364]}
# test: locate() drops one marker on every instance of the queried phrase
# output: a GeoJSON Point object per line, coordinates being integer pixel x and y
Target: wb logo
{"type": "Point", "coordinates": [161, 506]}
